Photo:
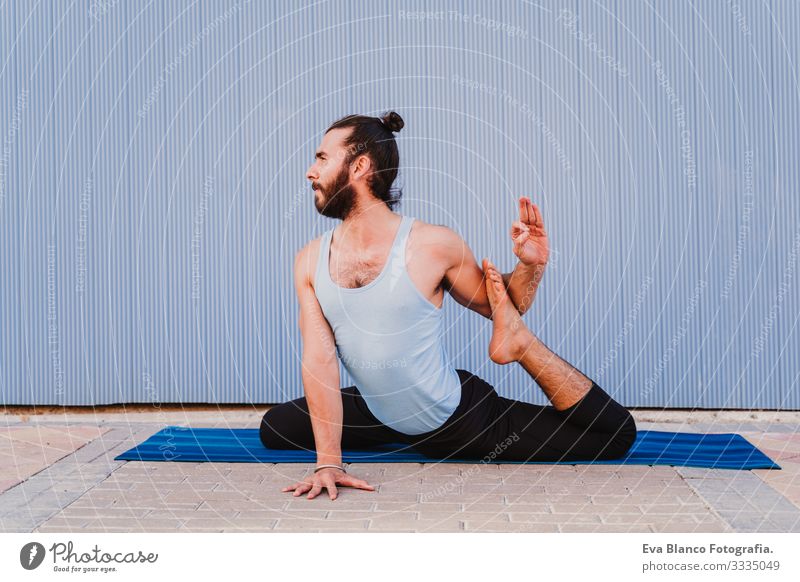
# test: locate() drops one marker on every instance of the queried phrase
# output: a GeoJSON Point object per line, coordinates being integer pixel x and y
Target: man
{"type": "Point", "coordinates": [371, 291]}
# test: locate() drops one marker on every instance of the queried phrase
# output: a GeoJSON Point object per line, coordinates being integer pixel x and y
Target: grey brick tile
{"type": "Point", "coordinates": [290, 524]}
{"type": "Point", "coordinates": [688, 528]}
{"type": "Point", "coordinates": [527, 507]}
{"type": "Point", "coordinates": [508, 527]}
{"type": "Point", "coordinates": [620, 528]}
{"type": "Point", "coordinates": [553, 518]}
{"type": "Point", "coordinates": [449, 524]}
{"type": "Point", "coordinates": [230, 523]}
{"type": "Point", "coordinates": [396, 517]}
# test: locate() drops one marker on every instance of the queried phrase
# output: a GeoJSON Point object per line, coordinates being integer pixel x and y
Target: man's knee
{"type": "Point", "coordinates": [266, 432]}
{"type": "Point", "coordinates": [624, 438]}
{"type": "Point", "coordinates": [275, 432]}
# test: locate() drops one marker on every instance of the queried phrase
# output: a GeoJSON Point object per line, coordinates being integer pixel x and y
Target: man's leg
{"type": "Point", "coordinates": [583, 421]}
{"type": "Point", "coordinates": [288, 425]}
{"type": "Point", "coordinates": [512, 341]}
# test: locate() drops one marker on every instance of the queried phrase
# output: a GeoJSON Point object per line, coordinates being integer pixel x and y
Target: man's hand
{"type": "Point", "coordinates": [328, 479]}
{"type": "Point", "coordinates": [530, 239]}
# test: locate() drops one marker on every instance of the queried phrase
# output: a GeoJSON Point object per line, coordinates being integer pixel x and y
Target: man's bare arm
{"type": "Point", "coordinates": [532, 247]}
{"type": "Point", "coordinates": [522, 284]}
{"type": "Point", "coordinates": [320, 367]}
{"type": "Point", "coordinates": [321, 386]}
{"type": "Point", "coordinates": [464, 279]}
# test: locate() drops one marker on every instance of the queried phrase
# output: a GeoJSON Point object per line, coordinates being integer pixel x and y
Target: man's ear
{"type": "Point", "coordinates": [360, 167]}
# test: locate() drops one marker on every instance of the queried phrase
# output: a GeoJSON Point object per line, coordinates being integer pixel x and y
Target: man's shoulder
{"type": "Point", "coordinates": [310, 247]}
{"type": "Point", "coordinates": [305, 260]}
{"type": "Point", "coordinates": [438, 239]}
{"type": "Point", "coordinates": [437, 234]}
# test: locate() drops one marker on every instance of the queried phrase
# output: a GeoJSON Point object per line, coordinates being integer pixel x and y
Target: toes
{"type": "Point", "coordinates": [491, 290]}
{"type": "Point", "coordinates": [494, 281]}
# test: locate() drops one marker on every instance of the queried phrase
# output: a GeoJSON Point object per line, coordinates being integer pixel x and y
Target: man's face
{"type": "Point", "coordinates": [334, 195]}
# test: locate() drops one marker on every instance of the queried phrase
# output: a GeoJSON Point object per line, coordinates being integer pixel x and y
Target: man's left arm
{"type": "Point", "coordinates": [522, 284]}
{"type": "Point", "coordinates": [533, 251]}
{"type": "Point", "coordinates": [464, 278]}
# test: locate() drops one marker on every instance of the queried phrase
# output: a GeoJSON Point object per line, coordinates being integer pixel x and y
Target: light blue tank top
{"type": "Point", "coordinates": [389, 338]}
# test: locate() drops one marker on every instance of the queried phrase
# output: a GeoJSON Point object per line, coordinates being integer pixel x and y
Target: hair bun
{"type": "Point", "coordinates": [393, 121]}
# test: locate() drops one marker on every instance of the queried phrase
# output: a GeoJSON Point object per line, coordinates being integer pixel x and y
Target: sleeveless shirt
{"type": "Point", "coordinates": [389, 338]}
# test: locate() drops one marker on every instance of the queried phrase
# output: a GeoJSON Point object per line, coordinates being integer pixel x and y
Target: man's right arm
{"type": "Point", "coordinates": [320, 365]}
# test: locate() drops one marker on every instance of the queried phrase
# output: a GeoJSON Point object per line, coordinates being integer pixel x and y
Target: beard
{"type": "Point", "coordinates": [338, 199]}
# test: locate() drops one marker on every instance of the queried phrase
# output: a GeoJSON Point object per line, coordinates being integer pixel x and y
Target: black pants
{"type": "Point", "coordinates": [484, 425]}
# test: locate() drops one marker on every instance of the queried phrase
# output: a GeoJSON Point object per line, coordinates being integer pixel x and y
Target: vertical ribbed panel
{"type": "Point", "coordinates": [153, 191]}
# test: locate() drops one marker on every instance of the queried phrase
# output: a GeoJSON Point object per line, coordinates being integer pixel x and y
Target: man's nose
{"type": "Point", "coordinates": [311, 174]}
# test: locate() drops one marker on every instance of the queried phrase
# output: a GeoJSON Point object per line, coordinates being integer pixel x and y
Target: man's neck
{"type": "Point", "coordinates": [374, 224]}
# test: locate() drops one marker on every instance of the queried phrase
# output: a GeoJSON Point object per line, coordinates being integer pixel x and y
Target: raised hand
{"type": "Point", "coordinates": [530, 239]}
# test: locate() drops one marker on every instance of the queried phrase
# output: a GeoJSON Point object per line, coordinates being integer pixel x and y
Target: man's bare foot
{"type": "Point", "coordinates": [510, 337]}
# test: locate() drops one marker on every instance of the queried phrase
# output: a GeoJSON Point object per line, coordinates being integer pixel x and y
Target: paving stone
{"type": "Point", "coordinates": [533, 470]}
{"type": "Point", "coordinates": [519, 480]}
{"type": "Point", "coordinates": [702, 473]}
{"type": "Point", "coordinates": [409, 517]}
{"type": "Point", "coordinates": [569, 499]}
{"type": "Point", "coordinates": [394, 469]}
{"type": "Point", "coordinates": [688, 528]}
{"type": "Point", "coordinates": [227, 495]}
{"type": "Point", "coordinates": [494, 496]}
{"type": "Point", "coordinates": [400, 506]}
{"type": "Point", "coordinates": [595, 508]}
{"type": "Point", "coordinates": [69, 522]}
{"type": "Point", "coordinates": [504, 488]}
{"type": "Point", "coordinates": [290, 524]}
{"type": "Point", "coordinates": [97, 513]}
{"type": "Point", "coordinates": [235, 523]}
{"type": "Point", "coordinates": [184, 514]}
{"type": "Point", "coordinates": [604, 528]}
{"type": "Point", "coordinates": [746, 503]}
{"type": "Point", "coordinates": [502, 507]}
{"type": "Point", "coordinates": [450, 524]}
{"type": "Point", "coordinates": [428, 471]}
{"type": "Point", "coordinates": [319, 502]}
{"type": "Point", "coordinates": [617, 518]}
{"type": "Point", "coordinates": [509, 527]}
{"type": "Point", "coordinates": [345, 514]}
{"type": "Point", "coordinates": [266, 526]}
{"type": "Point", "coordinates": [527, 507]}
{"type": "Point", "coordinates": [134, 523]}
{"type": "Point", "coordinates": [553, 518]}
{"type": "Point", "coordinates": [674, 508]}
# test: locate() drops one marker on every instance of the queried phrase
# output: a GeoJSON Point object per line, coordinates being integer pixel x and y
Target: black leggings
{"type": "Point", "coordinates": [484, 425]}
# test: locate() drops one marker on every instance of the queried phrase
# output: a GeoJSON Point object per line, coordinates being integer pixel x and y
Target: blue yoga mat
{"type": "Point", "coordinates": [242, 445]}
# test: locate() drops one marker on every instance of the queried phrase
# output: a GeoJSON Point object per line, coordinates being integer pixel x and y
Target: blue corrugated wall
{"type": "Point", "coordinates": [152, 190]}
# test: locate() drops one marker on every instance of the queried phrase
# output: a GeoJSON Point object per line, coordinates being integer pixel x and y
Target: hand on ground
{"type": "Point", "coordinates": [327, 479]}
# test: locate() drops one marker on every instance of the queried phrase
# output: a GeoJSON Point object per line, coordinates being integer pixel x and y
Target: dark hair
{"type": "Point", "coordinates": [374, 137]}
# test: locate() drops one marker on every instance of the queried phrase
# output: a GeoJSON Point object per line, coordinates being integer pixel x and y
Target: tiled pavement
{"type": "Point", "coordinates": [84, 489]}
{"type": "Point", "coordinates": [26, 450]}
